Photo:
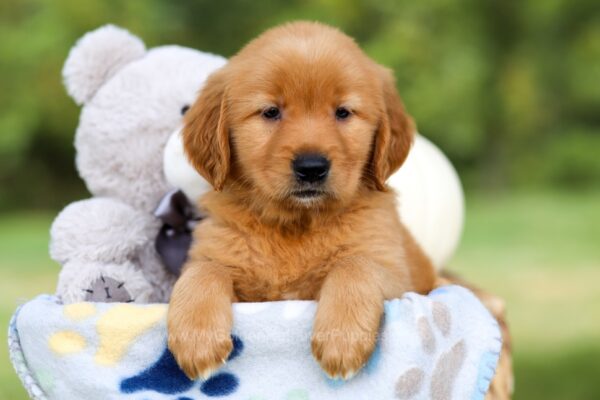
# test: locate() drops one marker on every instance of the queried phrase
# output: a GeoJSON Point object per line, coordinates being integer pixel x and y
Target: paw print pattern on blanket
{"type": "Point", "coordinates": [114, 338]}
{"type": "Point", "coordinates": [441, 346]}
{"type": "Point", "coordinates": [446, 368]}
{"type": "Point", "coordinates": [165, 377]}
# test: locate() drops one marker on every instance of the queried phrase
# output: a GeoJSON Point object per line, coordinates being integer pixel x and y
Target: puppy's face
{"type": "Point", "coordinates": [302, 117]}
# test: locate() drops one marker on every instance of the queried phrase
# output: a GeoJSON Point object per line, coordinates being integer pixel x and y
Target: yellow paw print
{"type": "Point", "coordinates": [117, 328]}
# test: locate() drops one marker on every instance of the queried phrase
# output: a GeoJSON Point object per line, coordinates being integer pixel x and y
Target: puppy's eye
{"type": "Point", "coordinates": [271, 113]}
{"type": "Point", "coordinates": [184, 109]}
{"type": "Point", "coordinates": [342, 113]}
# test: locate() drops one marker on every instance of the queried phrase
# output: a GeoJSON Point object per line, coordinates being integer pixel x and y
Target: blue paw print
{"type": "Point", "coordinates": [224, 383]}
{"type": "Point", "coordinates": [162, 377]}
{"type": "Point", "coordinates": [221, 384]}
{"type": "Point", "coordinates": [166, 377]}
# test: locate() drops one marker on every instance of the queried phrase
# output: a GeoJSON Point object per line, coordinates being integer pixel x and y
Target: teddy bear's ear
{"type": "Point", "coordinates": [96, 57]}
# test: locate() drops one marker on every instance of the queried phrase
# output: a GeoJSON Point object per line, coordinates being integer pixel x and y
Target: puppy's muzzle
{"type": "Point", "coordinates": [311, 168]}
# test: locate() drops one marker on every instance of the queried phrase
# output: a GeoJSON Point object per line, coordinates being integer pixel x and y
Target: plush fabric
{"type": "Point", "coordinates": [132, 100]}
{"type": "Point", "coordinates": [96, 57]}
{"type": "Point", "coordinates": [443, 346]}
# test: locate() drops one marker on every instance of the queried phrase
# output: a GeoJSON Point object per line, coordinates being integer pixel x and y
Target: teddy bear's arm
{"type": "Point", "coordinates": [100, 230]}
{"type": "Point", "coordinates": [98, 242]}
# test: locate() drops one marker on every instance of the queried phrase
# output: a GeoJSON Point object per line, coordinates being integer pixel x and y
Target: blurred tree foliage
{"type": "Point", "coordinates": [509, 89]}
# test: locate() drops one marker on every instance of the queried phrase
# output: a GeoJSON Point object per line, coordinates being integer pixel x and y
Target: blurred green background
{"type": "Point", "coordinates": [510, 90]}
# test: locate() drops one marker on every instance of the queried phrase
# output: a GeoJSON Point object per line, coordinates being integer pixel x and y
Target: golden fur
{"type": "Point", "coordinates": [345, 248]}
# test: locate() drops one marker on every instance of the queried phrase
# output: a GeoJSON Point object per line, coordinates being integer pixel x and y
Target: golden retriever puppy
{"type": "Point", "coordinates": [298, 134]}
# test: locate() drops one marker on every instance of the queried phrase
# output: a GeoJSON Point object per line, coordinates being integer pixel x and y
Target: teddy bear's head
{"type": "Point", "coordinates": [132, 99]}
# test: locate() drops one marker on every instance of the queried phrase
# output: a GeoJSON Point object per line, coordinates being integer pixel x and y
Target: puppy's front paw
{"type": "Point", "coordinates": [200, 352]}
{"type": "Point", "coordinates": [199, 336]}
{"type": "Point", "coordinates": [342, 349]}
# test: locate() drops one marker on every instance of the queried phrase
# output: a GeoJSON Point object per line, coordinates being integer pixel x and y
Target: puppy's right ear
{"type": "Point", "coordinates": [206, 134]}
{"type": "Point", "coordinates": [395, 134]}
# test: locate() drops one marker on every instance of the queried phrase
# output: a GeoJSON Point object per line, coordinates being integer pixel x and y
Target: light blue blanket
{"type": "Point", "coordinates": [442, 346]}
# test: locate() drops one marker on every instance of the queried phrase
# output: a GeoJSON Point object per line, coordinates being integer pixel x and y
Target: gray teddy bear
{"type": "Point", "coordinates": [132, 101]}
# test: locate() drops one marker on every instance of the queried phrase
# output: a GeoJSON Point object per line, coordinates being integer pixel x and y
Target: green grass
{"type": "Point", "coordinates": [25, 271]}
{"type": "Point", "coordinates": [539, 251]}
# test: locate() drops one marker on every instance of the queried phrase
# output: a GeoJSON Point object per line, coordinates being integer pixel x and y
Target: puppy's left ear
{"type": "Point", "coordinates": [394, 135]}
{"type": "Point", "coordinates": [206, 133]}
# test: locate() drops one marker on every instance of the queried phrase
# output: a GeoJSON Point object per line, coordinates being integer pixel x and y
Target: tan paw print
{"type": "Point", "coordinates": [415, 380]}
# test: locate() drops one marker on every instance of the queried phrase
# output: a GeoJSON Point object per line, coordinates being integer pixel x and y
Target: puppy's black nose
{"type": "Point", "coordinates": [311, 168]}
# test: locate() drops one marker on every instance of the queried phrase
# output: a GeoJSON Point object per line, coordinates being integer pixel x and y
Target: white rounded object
{"type": "Point", "coordinates": [179, 172]}
{"type": "Point", "coordinates": [430, 200]}
{"type": "Point", "coordinates": [430, 196]}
